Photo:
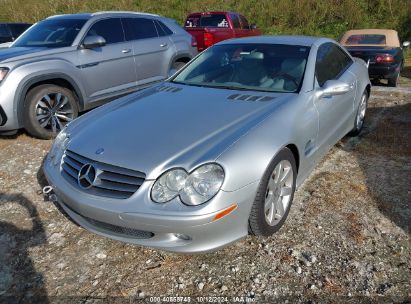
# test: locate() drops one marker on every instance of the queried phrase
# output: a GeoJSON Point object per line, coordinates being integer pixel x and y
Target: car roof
{"type": "Point", "coordinates": [212, 13]}
{"type": "Point", "coordinates": [391, 36]}
{"type": "Point", "coordinates": [103, 14]}
{"type": "Point", "coordinates": [280, 39]}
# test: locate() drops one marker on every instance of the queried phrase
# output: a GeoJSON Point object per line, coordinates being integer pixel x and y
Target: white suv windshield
{"type": "Point", "coordinates": [261, 67]}
{"type": "Point", "coordinates": [52, 33]}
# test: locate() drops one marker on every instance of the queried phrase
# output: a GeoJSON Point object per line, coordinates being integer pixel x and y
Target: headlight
{"type": "Point", "coordinates": [59, 145]}
{"type": "Point", "coordinates": [194, 189]}
{"type": "Point", "coordinates": [168, 185]}
{"type": "Point", "coordinates": [3, 73]}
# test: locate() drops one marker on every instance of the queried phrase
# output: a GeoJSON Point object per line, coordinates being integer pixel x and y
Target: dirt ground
{"type": "Point", "coordinates": [347, 238]}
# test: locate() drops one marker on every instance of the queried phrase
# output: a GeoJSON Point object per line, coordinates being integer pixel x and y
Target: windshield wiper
{"type": "Point", "coordinates": [189, 84]}
{"type": "Point", "coordinates": [231, 88]}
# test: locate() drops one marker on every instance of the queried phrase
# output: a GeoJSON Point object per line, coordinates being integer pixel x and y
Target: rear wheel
{"type": "Point", "coordinates": [393, 81]}
{"type": "Point", "coordinates": [274, 196]}
{"type": "Point", "coordinates": [47, 109]}
{"type": "Point", "coordinates": [176, 67]}
{"type": "Point", "coordinates": [360, 118]}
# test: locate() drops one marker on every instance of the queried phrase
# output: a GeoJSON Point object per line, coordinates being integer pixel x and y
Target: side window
{"type": "Point", "coordinates": [139, 28]}
{"type": "Point", "coordinates": [4, 31]}
{"type": "Point", "coordinates": [244, 23]}
{"type": "Point", "coordinates": [235, 20]}
{"type": "Point", "coordinates": [331, 62]}
{"type": "Point", "coordinates": [18, 29]}
{"type": "Point", "coordinates": [110, 29]}
{"type": "Point", "coordinates": [345, 60]}
{"type": "Point", "coordinates": [162, 29]}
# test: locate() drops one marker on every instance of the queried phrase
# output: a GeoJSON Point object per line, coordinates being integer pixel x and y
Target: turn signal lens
{"type": "Point", "coordinates": [225, 212]}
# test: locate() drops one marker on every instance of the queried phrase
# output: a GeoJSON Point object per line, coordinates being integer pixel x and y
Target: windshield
{"type": "Point", "coordinates": [260, 67]}
{"type": "Point", "coordinates": [54, 33]}
{"type": "Point", "coordinates": [366, 39]}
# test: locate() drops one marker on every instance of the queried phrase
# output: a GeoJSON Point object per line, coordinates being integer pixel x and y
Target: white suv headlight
{"type": "Point", "coordinates": [59, 146]}
{"type": "Point", "coordinates": [194, 189]}
{"type": "Point", "coordinates": [3, 73]}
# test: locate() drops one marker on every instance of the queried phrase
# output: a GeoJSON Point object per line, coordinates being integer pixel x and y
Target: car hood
{"type": "Point", "coordinates": [157, 129]}
{"type": "Point", "coordinates": [17, 53]}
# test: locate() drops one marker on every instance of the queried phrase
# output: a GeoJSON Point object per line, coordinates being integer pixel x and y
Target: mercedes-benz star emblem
{"type": "Point", "coordinates": [99, 151]}
{"type": "Point", "coordinates": [86, 176]}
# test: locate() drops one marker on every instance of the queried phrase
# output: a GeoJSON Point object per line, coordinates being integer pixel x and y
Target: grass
{"type": "Point", "coordinates": [308, 17]}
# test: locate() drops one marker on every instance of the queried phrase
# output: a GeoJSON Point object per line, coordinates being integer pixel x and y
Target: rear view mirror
{"type": "Point", "coordinates": [406, 44]}
{"type": "Point", "coordinates": [95, 41]}
{"type": "Point", "coordinates": [334, 87]}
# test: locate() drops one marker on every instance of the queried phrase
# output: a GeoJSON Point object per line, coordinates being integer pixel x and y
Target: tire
{"type": "Point", "coordinates": [43, 118]}
{"type": "Point", "coordinates": [269, 194]}
{"type": "Point", "coordinates": [360, 116]}
{"type": "Point", "coordinates": [176, 67]}
{"type": "Point", "coordinates": [393, 82]}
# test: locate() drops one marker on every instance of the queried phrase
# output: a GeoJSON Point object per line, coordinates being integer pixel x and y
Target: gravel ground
{"type": "Point", "coordinates": [347, 238]}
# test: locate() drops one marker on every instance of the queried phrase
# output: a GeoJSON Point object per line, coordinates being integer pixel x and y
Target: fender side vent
{"type": "Point", "coordinates": [249, 97]}
{"type": "Point", "coordinates": [168, 89]}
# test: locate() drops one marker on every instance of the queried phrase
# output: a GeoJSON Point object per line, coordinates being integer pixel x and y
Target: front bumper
{"type": "Point", "coordinates": [152, 227]}
{"type": "Point", "coordinates": [8, 111]}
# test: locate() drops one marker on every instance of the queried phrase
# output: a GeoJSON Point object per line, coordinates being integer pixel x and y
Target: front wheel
{"type": "Point", "coordinates": [47, 109]}
{"type": "Point", "coordinates": [274, 196]}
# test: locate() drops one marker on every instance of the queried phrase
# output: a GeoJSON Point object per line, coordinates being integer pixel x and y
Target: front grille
{"type": "Point", "coordinates": [110, 181]}
{"type": "Point", "coordinates": [137, 234]}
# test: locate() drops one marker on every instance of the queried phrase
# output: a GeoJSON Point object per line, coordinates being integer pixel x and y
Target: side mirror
{"type": "Point", "coordinates": [333, 87]}
{"type": "Point", "coordinates": [406, 44]}
{"type": "Point", "coordinates": [253, 26]}
{"type": "Point", "coordinates": [92, 42]}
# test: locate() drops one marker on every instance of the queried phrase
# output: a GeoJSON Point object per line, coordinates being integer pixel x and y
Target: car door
{"type": "Point", "coordinates": [235, 21]}
{"type": "Point", "coordinates": [335, 112]}
{"type": "Point", "coordinates": [151, 51]}
{"type": "Point", "coordinates": [245, 27]}
{"type": "Point", "coordinates": [108, 70]}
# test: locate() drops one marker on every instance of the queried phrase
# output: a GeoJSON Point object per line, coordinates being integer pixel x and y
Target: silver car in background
{"type": "Point", "coordinates": [217, 151]}
{"type": "Point", "coordinates": [71, 63]}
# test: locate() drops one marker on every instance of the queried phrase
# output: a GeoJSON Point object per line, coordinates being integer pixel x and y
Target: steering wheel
{"type": "Point", "coordinates": [288, 76]}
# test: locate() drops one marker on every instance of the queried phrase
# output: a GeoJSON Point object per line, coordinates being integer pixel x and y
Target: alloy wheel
{"type": "Point", "coordinates": [278, 193]}
{"type": "Point", "coordinates": [54, 111]}
{"type": "Point", "coordinates": [361, 112]}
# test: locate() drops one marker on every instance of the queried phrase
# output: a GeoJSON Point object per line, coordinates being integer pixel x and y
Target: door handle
{"type": "Point", "coordinates": [163, 44]}
{"type": "Point", "coordinates": [125, 51]}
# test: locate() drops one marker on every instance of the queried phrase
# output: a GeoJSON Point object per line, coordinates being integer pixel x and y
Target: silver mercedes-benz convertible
{"type": "Point", "coordinates": [215, 152]}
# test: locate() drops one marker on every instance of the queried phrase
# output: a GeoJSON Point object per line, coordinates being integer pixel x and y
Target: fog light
{"type": "Point", "coordinates": [182, 237]}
